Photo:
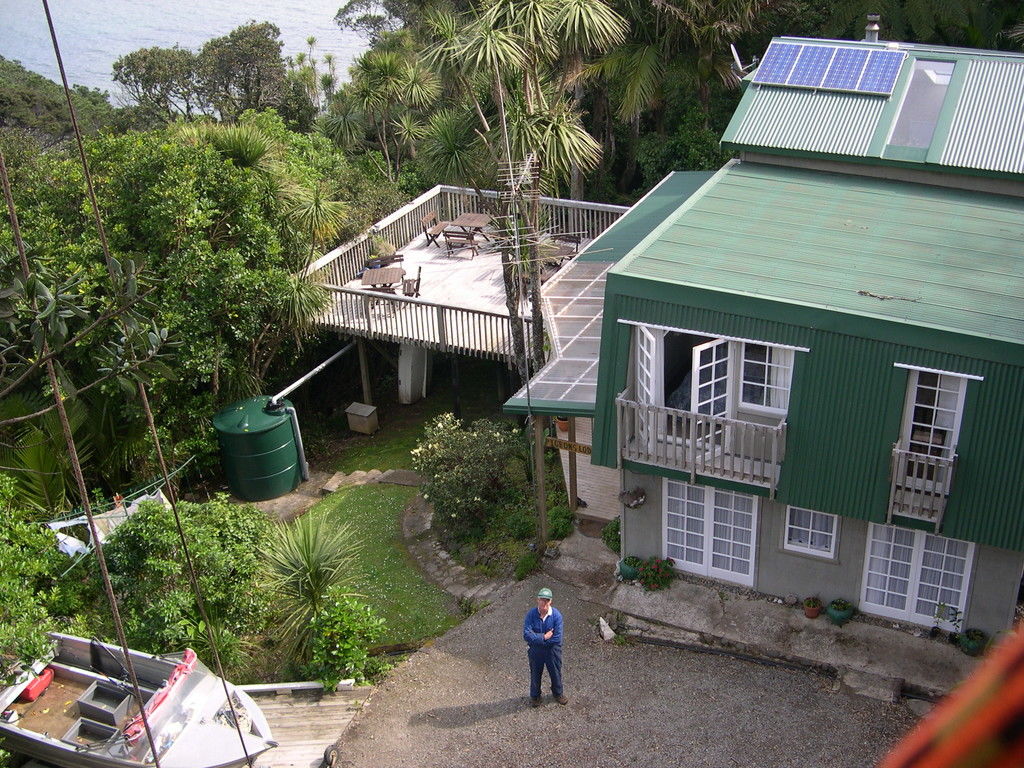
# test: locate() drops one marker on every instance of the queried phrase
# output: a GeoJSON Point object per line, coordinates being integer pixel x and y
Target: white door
{"type": "Point", "coordinates": [648, 382]}
{"type": "Point", "coordinates": [709, 394]}
{"type": "Point", "coordinates": [909, 574]}
{"type": "Point", "coordinates": [931, 426]}
{"type": "Point", "coordinates": [710, 532]}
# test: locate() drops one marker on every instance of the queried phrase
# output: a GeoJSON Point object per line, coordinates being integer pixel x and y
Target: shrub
{"type": "Point", "coordinates": [341, 635]}
{"type": "Point", "coordinates": [308, 562]}
{"type": "Point", "coordinates": [559, 522]}
{"type": "Point", "coordinates": [656, 573]}
{"type": "Point", "coordinates": [527, 564]}
{"type": "Point", "coordinates": [466, 473]}
{"type": "Point", "coordinates": [148, 571]}
{"type": "Point", "coordinates": [611, 534]}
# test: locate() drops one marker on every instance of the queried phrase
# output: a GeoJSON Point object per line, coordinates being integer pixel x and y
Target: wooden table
{"type": "Point", "coordinates": [382, 278]}
{"type": "Point", "coordinates": [472, 222]}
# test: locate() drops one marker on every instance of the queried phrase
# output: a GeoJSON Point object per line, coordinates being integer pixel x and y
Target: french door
{"type": "Point", "coordinates": [710, 532]}
{"type": "Point", "coordinates": [915, 575]}
{"type": "Point", "coordinates": [711, 393]}
{"type": "Point", "coordinates": [648, 381]}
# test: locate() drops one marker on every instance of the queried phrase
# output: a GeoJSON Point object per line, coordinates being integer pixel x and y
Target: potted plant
{"type": "Point", "coordinates": [629, 568]}
{"type": "Point", "coordinates": [940, 614]}
{"type": "Point", "coordinates": [955, 619]}
{"type": "Point", "coordinates": [656, 573]}
{"type": "Point", "coordinates": [839, 611]}
{"type": "Point", "coordinates": [562, 422]}
{"type": "Point", "coordinates": [972, 642]}
{"type": "Point", "coordinates": [812, 607]}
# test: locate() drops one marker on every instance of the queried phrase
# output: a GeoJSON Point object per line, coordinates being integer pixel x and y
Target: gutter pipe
{"type": "Point", "coordinates": [275, 404]}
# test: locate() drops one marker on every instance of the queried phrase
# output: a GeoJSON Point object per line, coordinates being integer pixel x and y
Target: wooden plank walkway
{"type": "Point", "coordinates": [305, 724]}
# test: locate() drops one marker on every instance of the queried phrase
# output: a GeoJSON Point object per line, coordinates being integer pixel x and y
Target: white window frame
{"type": "Point", "coordinates": [909, 614]}
{"type": "Point", "coordinates": [780, 366]}
{"type": "Point", "coordinates": [909, 404]}
{"type": "Point", "coordinates": [706, 568]}
{"type": "Point", "coordinates": [807, 549]}
{"type": "Point", "coordinates": [778, 377]}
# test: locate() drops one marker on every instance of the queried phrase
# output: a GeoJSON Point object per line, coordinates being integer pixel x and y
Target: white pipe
{"type": "Point", "coordinates": [294, 385]}
{"type": "Point", "coordinates": [303, 466]}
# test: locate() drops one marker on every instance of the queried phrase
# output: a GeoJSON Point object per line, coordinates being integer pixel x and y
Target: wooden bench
{"type": "Point", "coordinates": [457, 241]}
{"type": "Point", "coordinates": [433, 228]}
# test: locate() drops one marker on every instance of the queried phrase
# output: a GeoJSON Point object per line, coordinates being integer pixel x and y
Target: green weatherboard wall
{"type": "Point", "coordinates": [847, 402]}
{"type": "Point", "coordinates": [261, 460]}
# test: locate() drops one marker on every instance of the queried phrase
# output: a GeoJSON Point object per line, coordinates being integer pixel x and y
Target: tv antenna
{"type": "Point", "coordinates": [737, 65]}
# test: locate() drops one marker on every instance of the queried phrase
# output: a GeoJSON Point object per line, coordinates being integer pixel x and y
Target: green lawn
{"type": "Point", "coordinates": [389, 580]}
{"type": "Point", "coordinates": [401, 426]}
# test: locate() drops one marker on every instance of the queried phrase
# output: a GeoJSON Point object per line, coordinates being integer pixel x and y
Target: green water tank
{"type": "Point", "coordinates": [257, 445]}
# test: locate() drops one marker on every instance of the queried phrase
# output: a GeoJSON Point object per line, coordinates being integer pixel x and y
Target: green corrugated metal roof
{"type": "Point", "coordinates": [634, 225]}
{"type": "Point", "coordinates": [909, 253]}
{"type": "Point", "coordinates": [988, 127]}
{"type": "Point", "coordinates": [979, 128]}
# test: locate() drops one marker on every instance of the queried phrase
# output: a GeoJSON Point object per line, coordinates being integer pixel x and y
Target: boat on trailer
{"type": "Point", "coordinates": [88, 717]}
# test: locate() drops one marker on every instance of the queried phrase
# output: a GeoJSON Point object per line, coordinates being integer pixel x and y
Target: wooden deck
{"type": "Point", "coordinates": [306, 723]}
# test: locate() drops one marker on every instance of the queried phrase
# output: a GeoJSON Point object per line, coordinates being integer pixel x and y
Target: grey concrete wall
{"type": "Point", "coordinates": [995, 575]}
{"type": "Point", "coordinates": [641, 527]}
{"type": "Point", "coordinates": [995, 580]}
{"type": "Point", "coordinates": [782, 572]}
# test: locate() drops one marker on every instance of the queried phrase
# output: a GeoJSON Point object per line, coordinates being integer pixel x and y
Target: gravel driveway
{"type": "Point", "coordinates": [463, 702]}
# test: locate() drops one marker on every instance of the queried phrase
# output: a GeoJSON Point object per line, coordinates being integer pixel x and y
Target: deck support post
{"type": "Point", "coordinates": [457, 404]}
{"type": "Point", "coordinates": [572, 466]}
{"type": "Point", "coordinates": [499, 369]}
{"type": "Point", "coordinates": [364, 373]}
{"type": "Point", "coordinates": [538, 479]}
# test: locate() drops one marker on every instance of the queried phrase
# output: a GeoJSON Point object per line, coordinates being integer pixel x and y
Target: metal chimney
{"type": "Point", "coordinates": [871, 30]}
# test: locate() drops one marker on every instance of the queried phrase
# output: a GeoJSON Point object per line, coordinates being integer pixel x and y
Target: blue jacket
{"type": "Point", "coordinates": [534, 628]}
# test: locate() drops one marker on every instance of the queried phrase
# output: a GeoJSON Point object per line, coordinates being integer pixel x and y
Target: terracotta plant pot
{"type": "Point", "coordinates": [812, 612]}
{"type": "Point", "coordinates": [562, 423]}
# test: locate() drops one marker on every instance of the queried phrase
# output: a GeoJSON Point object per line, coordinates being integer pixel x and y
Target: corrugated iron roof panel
{"type": "Point", "coordinates": [988, 126]}
{"type": "Point", "coordinates": [819, 121]}
{"type": "Point", "coordinates": [910, 253]}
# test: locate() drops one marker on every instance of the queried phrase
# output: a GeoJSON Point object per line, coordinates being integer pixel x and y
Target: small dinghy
{"type": "Point", "coordinates": [87, 716]}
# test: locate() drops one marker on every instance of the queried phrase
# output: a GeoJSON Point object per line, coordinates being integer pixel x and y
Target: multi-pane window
{"type": "Point", "coordinates": [811, 532]}
{"type": "Point", "coordinates": [915, 575]}
{"type": "Point", "coordinates": [934, 407]}
{"type": "Point", "coordinates": [710, 532]}
{"type": "Point", "coordinates": [767, 372]}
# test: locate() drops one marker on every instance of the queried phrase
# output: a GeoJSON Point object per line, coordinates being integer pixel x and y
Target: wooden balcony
{"type": "Point", "coordinates": [920, 485]}
{"type": "Point", "coordinates": [713, 446]}
{"type": "Point", "coordinates": [461, 307]}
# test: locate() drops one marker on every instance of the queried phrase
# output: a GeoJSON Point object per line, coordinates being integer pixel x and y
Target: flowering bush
{"type": "Point", "coordinates": [466, 472]}
{"type": "Point", "coordinates": [342, 633]}
{"type": "Point", "coordinates": [656, 573]}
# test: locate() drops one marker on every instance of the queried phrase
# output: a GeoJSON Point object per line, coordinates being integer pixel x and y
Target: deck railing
{"type": "Point", "coordinates": [700, 444]}
{"type": "Point", "coordinates": [422, 323]}
{"type": "Point", "coordinates": [920, 485]}
{"type": "Point", "coordinates": [340, 265]}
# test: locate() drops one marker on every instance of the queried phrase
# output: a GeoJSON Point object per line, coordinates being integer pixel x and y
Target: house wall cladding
{"type": "Point", "coordinates": [847, 403]}
{"type": "Point", "coordinates": [995, 573]}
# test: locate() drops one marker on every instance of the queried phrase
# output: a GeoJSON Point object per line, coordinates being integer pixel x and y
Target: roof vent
{"type": "Point", "coordinates": [871, 30]}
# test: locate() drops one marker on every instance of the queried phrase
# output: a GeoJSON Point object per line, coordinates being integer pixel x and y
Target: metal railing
{"type": "Point", "coordinates": [920, 485]}
{"type": "Point", "coordinates": [422, 323]}
{"type": "Point", "coordinates": [400, 228]}
{"type": "Point", "coordinates": [701, 444]}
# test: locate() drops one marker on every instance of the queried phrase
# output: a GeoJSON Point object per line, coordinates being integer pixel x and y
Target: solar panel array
{"type": "Point", "coordinates": [830, 67]}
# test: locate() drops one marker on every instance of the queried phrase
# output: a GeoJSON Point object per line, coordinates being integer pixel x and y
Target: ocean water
{"type": "Point", "coordinates": [93, 33]}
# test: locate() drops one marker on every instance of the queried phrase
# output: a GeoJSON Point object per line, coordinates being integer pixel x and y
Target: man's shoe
{"type": "Point", "coordinates": [561, 699]}
{"type": "Point", "coordinates": [535, 701]}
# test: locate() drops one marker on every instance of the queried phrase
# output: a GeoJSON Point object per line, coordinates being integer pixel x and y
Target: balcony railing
{"type": "Point", "coordinates": [920, 485]}
{"type": "Point", "coordinates": [700, 444]}
{"type": "Point", "coordinates": [579, 217]}
{"type": "Point", "coordinates": [426, 324]}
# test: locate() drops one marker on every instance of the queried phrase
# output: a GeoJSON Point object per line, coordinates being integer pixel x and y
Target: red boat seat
{"type": "Point", "coordinates": [35, 688]}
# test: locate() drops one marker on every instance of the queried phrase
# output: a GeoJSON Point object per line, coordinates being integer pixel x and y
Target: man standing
{"type": "Point", "coordinates": [542, 631]}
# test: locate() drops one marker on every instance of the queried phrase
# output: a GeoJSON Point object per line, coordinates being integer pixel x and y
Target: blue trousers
{"type": "Point", "coordinates": [545, 657]}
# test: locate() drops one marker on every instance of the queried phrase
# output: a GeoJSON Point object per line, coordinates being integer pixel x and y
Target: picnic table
{"type": "Point", "coordinates": [382, 279]}
{"type": "Point", "coordinates": [472, 222]}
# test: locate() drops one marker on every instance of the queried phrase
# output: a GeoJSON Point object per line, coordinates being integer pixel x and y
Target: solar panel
{"type": "Point", "coordinates": [831, 68]}
{"type": "Point", "coordinates": [881, 71]}
{"type": "Point", "coordinates": [845, 70]}
{"type": "Point", "coordinates": [778, 61]}
{"type": "Point", "coordinates": [811, 65]}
